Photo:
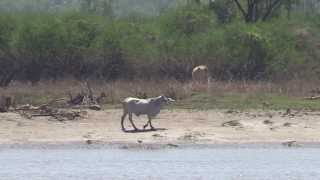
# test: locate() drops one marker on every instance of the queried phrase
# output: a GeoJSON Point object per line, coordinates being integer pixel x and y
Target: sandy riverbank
{"type": "Point", "coordinates": [175, 126]}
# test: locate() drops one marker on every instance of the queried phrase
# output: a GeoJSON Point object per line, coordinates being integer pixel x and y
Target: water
{"type": "Point", "coordinates": [199, 163]}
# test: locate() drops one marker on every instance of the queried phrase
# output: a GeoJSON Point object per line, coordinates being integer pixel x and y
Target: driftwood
{"type": "Point", "coordinates": [86, 98]}
{"type": "Point", "coordinates": [29, 112]}
{"type": "Point", "coordinates": [62, 115]}
{"type": "Point", "coordinates": [5, 103]}
{"type": "Point", "coordinates": [28, 107]}
{"type": "Point", "coordinates": [69, 110]}
{"type": "Point", "coordinates": [76, 100]}
{"type": "Point", "coordinates": [312, 98]}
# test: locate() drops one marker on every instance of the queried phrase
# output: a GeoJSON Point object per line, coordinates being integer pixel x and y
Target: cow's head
{"type": "Point", "coordinates": [166, 100]}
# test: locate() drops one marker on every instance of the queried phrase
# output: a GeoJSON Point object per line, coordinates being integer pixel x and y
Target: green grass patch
{"type": "Point", "coordinates": [246, 101]}
{"type": "Point", "coordinates": [192, 100]}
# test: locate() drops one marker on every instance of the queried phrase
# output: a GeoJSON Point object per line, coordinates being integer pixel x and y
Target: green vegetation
{"type": "Point", "coordinates": [221, 95]}
{"type": "Point", "coordinates": [96, 41]}
{"type": "Point", "coordinates": [246, 101]}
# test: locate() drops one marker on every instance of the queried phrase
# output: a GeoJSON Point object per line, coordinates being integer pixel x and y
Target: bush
{"type": "Point", "coordinates": [42, 45]}
{"type": "Point", "coordinates": [8, 61]}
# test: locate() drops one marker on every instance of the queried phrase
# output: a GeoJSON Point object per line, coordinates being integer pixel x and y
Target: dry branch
{"type": "Point", "coordinates": [58, 114]}
{"type": "Point", "coordinates": [86, 98]}
{"type": "Point", "coordinates": [5, 103]}
{"type": "Point", "coordinates": [312, 98]}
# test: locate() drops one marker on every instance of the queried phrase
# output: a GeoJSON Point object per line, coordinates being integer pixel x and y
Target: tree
{"type": "Point", "coordinates": [224, 9]}
{"type": "Point", "coordinates": [8, 61]}
{"type": "Point", "coordinates": [256, 10]}
{"type": "Point", "coordinates": [107, 8]}
{"type": "Point", "coordinates": [197, 2]}
{"type": "Point", "coordinates": [289, 6]}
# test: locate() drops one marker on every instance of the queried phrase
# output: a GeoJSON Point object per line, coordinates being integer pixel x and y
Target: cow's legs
{"type": "Point", "coordinates": [130, 118]}
{"type": "Point", "coordinates": [122, 119]}
{"type": "Point", "coordinates": [146, 125]}
{"type": "Point", "coordinates": [149, 117]}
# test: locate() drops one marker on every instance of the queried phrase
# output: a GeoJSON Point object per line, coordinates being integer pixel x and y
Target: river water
{"type": "Point", "coordinates": [185, 163]}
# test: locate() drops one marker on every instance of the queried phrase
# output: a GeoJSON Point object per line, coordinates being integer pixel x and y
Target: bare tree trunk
{"type": "Point", "coordinates": [257, 9]}
{"type": "Point", "coordinates": [5, 103]}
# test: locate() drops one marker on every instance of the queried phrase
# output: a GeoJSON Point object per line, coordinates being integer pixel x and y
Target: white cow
{"type": "Point", "coordinates": [200, 74]}
{"type": "Point", "coordinates": [150, 107]}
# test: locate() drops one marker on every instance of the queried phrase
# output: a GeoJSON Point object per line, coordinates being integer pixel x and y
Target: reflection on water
{"type": "Point", "coordinates": [208, 163]}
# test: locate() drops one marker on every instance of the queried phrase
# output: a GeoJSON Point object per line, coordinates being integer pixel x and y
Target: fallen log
{"type": "Point", "coordinates": [58, 114]}
{"type": "Point", "coordinates": [76, 100]}
{"type": "Point", "coordinates": [83, 100]}
{"type": "Point", "coordinates": [86, 98]}
{"type": "Point", "coordinates": [312, 98]}
{"type": "Point", "coordinates": [5, 103]}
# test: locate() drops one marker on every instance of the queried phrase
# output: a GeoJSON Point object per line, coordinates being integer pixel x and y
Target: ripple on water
{"type": "Point", "coordinates": [187, 163]}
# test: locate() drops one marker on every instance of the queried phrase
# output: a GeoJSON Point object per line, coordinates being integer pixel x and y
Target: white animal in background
{"type": "Point", "coordinates": [150, 107]}
{"type": "Point", "coordinates": [200, 74]}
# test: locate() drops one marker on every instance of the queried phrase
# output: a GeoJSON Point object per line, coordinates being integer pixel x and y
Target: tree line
{"type": "Point", "coordinates": [237, 39]}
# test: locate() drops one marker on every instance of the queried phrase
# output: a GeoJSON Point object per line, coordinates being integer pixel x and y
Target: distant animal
{"type": "Point", "coordinates": [150, 107]}
{"type": "Point", "coordinates": [200, 74]}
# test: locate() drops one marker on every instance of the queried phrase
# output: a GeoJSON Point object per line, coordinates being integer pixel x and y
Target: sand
{"type": "Point", "coordinates": [175, 126]}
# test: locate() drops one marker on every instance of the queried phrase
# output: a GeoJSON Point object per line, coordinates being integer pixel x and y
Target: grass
{"type": "Point", "coordinates": [220, 95]}
{"type": "Point", "coordinates": [246, 101]}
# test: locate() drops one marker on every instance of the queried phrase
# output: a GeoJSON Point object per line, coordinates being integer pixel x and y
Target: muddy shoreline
{"type": "Point", "coordinates": [155, 146]}
{"type": "Point", "coordinates": [176, 129]}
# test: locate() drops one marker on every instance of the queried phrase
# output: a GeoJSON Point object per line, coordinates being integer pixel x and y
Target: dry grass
{"type": "Point", "coordinates": [295, 88]}
{"type": "Point", "coordinates": [115, 91]}
{"type": "Point", "coordinates": [47, 90]}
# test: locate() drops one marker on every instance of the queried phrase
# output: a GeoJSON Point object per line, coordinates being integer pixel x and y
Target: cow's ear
{"type": "Point", "coordinates": [152, 99]}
